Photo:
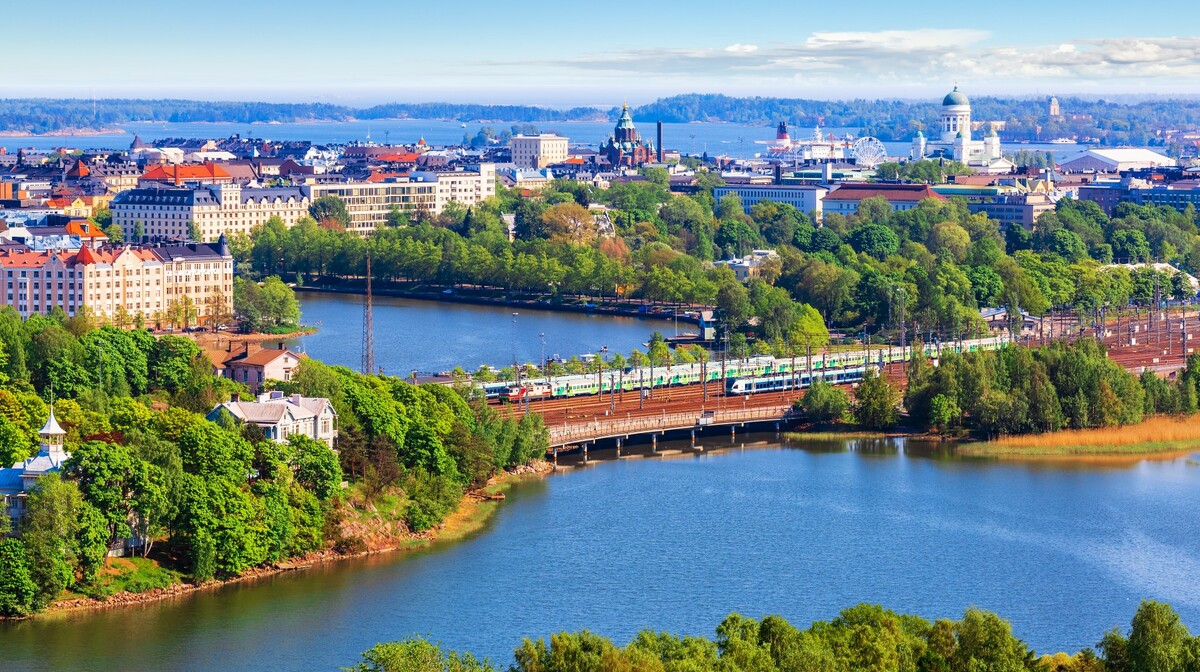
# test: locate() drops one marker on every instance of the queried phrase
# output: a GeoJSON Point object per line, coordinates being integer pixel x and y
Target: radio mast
{"type": "Point", "coordinates": [368, 339]}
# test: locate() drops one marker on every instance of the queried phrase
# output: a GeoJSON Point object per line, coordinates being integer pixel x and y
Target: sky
{"type": "Point", "coordinates": [569, 52]}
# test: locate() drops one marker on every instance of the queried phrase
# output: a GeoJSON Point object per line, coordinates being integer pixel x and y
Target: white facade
{"type": "Point", "coordinates": [538, 151]}
{"type": "Point", "coordinates": [216, 209]}
{"type": "Point", "coordinates": [806, 199]}
{"type": "Point", "coordinates": [282, 416]}
{"type": "Point", "coordinates": [954, 135]}
{"type": "Point", "coordinates": [430, 191]}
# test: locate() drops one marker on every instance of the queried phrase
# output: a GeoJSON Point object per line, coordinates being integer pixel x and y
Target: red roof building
{"type": "Point", "coordinates": [845, 199]}
{"type": "Point", "coordinates": [178, 174]}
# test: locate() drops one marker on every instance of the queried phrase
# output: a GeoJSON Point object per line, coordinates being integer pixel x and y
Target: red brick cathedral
{"type": "Point", "coordinates": [625, 146]}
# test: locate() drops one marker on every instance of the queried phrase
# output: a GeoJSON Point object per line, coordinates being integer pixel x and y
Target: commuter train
{"type": "Point", "coordinates": [757, 367]}
{"type": "Point", "coordinates": [788, 381]}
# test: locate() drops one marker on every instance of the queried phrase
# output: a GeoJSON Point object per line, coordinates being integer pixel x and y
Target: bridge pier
{"type": "Point", "coordinates": [556, 458]}
{"type": "Point", "coordinates": [693, 438]}
{"type": "Point", "coordinates": [585, 446]}
{"type": "Point", "coordinates": [654, 443]}
{"type": "Point", "coordinates": [618, 447]}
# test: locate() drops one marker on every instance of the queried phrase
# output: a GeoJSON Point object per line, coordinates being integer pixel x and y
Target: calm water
{"type": "Point", "coordinates": [735, 140]}
{"type": "Point", "coordinates": [677, 544]}
{"type": "Point", "coordinates": [430, 337]}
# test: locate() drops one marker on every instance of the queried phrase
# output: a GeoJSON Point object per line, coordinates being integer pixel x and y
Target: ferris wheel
{"type": "Point", "coordinates": [868, 151]}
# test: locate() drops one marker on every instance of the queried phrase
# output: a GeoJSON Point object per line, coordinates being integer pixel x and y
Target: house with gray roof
{"type": "Point", "coordinates": [281, 416]}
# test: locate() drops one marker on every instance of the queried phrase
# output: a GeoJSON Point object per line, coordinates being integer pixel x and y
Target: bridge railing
{"type": "Point", "coordinates": [608, 428]}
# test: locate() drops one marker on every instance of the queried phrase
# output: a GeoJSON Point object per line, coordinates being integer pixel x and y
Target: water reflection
{"type": "Point", "coordinates": [796, 527]}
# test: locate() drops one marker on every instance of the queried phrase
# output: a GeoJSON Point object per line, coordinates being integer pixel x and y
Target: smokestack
{"type": "Point", "coordinates": [660, 148]}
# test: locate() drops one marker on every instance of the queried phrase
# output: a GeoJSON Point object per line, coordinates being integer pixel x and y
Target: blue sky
{"type": "Point", "coordinates": [569, 52]}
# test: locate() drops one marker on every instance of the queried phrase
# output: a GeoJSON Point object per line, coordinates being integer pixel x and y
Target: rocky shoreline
{"type": "Point", "coordinates": [398, 543]}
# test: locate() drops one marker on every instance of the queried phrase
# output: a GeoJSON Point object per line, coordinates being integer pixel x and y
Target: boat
{"type": "Point", "coordinates": [1062, 141]}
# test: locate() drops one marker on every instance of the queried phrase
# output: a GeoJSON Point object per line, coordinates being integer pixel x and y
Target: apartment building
{"type": "Point", "coordinates": [217, 209]}
{"type": "Point", "coordinates": [538, 151]}
{"type": "Point", "coordinates": [430, 191]}
{"type": "Point", "coordinates": [134, 280]}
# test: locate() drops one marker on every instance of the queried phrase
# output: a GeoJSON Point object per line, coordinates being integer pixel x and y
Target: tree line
{"type": "Point", "coordinates": [213, 499]}
{"type": "Point", "coordinates": [1012, 390]}
{"type": "Point", "coordinates": [930, 268]}
{"type": "Point", "coordinates": [864, 638]}
{"type": "Point", "coordinates": [1105, 121]}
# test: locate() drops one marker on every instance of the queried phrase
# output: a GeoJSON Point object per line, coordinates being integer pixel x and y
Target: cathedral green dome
{"type": "Point", "coordinates": [955, 98]}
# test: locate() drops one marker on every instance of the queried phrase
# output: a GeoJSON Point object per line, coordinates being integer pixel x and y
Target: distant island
{"type": "Point", "coordinates": [1109, 122]}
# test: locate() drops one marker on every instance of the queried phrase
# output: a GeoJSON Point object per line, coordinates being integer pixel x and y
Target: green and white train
{"type": "Point", "coordinates": [648, 377]}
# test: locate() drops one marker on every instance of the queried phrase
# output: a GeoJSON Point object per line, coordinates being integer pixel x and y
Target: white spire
{"type": "Point", "coordinates": [52, 428]}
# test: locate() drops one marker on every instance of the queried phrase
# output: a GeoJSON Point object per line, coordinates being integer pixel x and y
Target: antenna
{"type": "Point", "coordinates": [368, 342]}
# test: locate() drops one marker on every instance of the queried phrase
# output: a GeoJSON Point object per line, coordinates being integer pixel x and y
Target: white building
{"type": "Point", "coordinates": [216, 209]}
{"type": "Point", "coordinates": [282, 416]}
{"type": "Point", "coordinates": [369, 203]}
{"type": "Point", "coordinates": [16, 481]}
{"type": "Point", "coordinates": [954, 136]}
{"type": "Point", "coordinates": [1114, 161]}
{"type": "Point", "coordinates": [749, 266]}
{"type": "Point", "coordinates": [538, 151]}
{"type": "Point", "coordinates": [805, 198]}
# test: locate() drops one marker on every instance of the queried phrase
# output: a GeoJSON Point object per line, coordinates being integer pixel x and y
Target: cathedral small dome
{"type": "Point", "coordinates": [955, 98]}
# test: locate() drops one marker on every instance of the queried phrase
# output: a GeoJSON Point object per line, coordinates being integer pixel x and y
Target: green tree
{"type": "Point", "coordinates": [330, 210]}
{"type": "Point", "coordinates": [317, 467]}
{"type": "Point", "coordinates": [418, 655]}
{"type": "Point", "coordinates": [823, 402]}
{"type": "Point", "coordinates": [944, 412]}
{"type": "Point", "coordinates": [876, 402]}
{"type": "Point", "coordinates": [875, 240]}
{"type": "Point", "coordinates": [17, 589]}
{"type": "Point", "coordinates": [48, 531]}
{"type": "Point", "coordinates": [169, 364]}
{"type": "Point", "coordinates": [1156, 640]}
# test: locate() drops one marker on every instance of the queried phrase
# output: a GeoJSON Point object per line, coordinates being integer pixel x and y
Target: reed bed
{"type": "Point", "coordinates": [1157, 435]}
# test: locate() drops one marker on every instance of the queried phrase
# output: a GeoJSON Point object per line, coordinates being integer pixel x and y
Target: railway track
{"type": "Point", "coordinates": [1155, 349]}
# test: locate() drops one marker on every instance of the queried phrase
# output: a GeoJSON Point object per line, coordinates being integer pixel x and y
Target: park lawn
{"type": "Point", "coordinates": [1160, 435]}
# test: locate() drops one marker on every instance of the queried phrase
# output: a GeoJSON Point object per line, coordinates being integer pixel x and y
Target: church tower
{"type": "Point", "coordinates": [955, 117]}
{"type": "Point", "coordinates": [918, 147]}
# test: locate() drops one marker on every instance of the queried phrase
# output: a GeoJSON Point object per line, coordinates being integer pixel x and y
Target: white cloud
{"type": "Point", "coordinates": [911, 58]}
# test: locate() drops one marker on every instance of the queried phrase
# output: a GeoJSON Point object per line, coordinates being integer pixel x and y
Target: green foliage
{"type": "Point", "coordinates": [417, 655]}
{"type": "Point", "coordinates": [1157, 639]}
{"type": "Point", "coordinates": [865, 638]}
{"type": "Point", "coordinates": [822, 402]}
{"type": "Point", "coordinates": [330, 209]}
{"type": "Point", "coordinates": [269, 306]}
{"type": "Point", "coordinates": [316, 466]}
{"type": "Point", "coordinates": [876, 402]}
{"type": "Point", "coordinates": [17, 589]}
{"type": "Point", "coordinates": [50, 532]}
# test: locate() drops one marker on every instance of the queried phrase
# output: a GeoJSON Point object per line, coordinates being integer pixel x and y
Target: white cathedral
{"type": "Point", "coordinates": [955, 141]}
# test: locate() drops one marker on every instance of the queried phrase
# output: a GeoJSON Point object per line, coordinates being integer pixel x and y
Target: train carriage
{"type": "Point", "coordinates": [758, 367]}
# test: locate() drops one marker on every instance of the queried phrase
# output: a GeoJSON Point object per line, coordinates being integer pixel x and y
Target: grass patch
{"type": "Point", "coordinates": [833, 436]}
{"type": "Point", "coordinates": [1157, 436]}
{"type": "Point", "coordinates": [132, 575]}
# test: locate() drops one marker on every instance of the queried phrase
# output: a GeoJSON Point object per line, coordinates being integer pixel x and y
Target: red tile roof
{"type": "Point", "coordinates": [172, 173]}
{"type": "Point", "coordinates": [892, 192]}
